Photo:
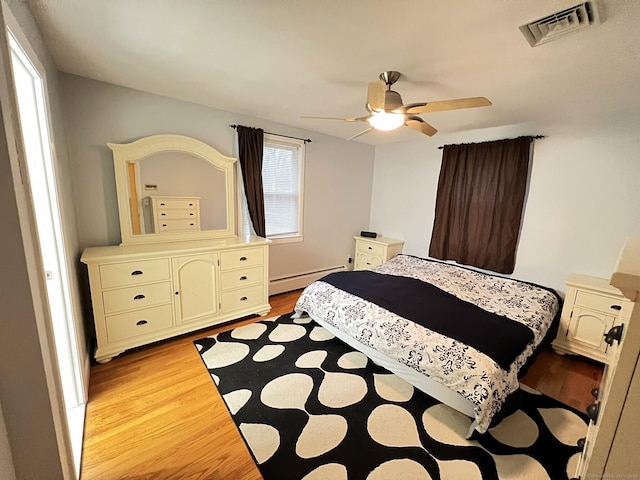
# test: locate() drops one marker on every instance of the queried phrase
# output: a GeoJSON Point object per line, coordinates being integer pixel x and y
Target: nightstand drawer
{"type": "Point", "coordinates": [239, 278]}
{"type": "Point", "coordinates": [601, 303]}
{"type": "Point", "coordinates": [133, 273]}
{"type": "Point", "coordinates": [140, 322]}
{"type": "Point", "coordinates": [142, 296]}
{"type": "Point", "coordinates": [372, 248]}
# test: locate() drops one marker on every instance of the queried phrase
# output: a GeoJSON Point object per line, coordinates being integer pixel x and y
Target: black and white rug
{"type": "Point", "coordinates": [310, 407]}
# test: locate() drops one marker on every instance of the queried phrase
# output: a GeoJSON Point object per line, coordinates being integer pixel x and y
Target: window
{"type": "Point", "coordinates": [282, 183]}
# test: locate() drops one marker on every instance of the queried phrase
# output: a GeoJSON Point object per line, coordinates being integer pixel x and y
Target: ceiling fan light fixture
{"type": "Point", "coordinates": [386, 121]}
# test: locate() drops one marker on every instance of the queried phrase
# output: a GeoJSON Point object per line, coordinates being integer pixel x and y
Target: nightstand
{"type": "Point", "coordinates": [591, 308]}
{"type": "Point", "coordinates": [371, 252]}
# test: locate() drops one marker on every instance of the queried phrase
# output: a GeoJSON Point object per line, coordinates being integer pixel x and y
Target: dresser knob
{"type": "Point", "coordinates": [243, 299]}
{"type": "Point", "coordinates": [243, 277]}
{"type": "Point", "coordinates": [243, 259]}
{"type": "Point", "coordinates": [138, 297]}
{"type": "Point", "coordinates": [141, 322]}
{"type": "Point", "coordinates": [581, 443]}
{"type": "Point", "coordinates": [136, 272]}
{"type": "Point", "coordinates": [616, 307]}
{"type": "Point", "coordinates": [595, 392]}
{"type": "Point", "coordinates": [592, 411]}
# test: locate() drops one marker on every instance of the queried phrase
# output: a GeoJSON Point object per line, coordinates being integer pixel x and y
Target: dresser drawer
{"type": "Point", "coordinates": [176, 203]}
{"type": "Point", "coordinates": [133, 273]}
{"type": "Point", "coordinates": [601, 303]}
{"type": "Point", "coordinates": [179, 214]}
{"type": "Point", "coordinates": [140, 322]}
{"type": "Point", "coordinates": [177, 225]}
{"type": "Point", "coordinates": [239, 278]}
{"type": "Point", "coordinates": [241, 258]}
{"type": "Point", "coordinates": [242, 298]}
{"type": "Point", "coordinates": [141, 296]}
{"type": "Point", "coordinates": [372, 248]}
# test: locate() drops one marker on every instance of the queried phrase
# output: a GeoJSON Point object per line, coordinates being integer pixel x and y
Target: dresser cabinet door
{"type": "Point", "coordinates": [195, 281]}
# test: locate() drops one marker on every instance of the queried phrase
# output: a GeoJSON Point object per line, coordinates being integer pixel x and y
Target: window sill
{"type": "Point", "coordinates": [291, 239]}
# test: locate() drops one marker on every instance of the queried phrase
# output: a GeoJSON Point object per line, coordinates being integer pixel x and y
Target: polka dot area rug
{"type": "Point", "coordinates": [310, 407]}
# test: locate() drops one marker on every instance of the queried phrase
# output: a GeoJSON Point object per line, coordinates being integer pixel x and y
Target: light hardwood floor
{"type": "Point", "coordinates": [154, 412]}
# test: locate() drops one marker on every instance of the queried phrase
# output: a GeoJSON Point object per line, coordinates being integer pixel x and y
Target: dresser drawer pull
{"type": "Point", "coordinates": [191, 204]}
{"type": "Point", "coordinates": [163, 214]}
{"type": "Point", "coordinates": [139, 297]}
{"type": "Point", "coordinates": [164, 224]}
{"type": "Point", "coordinates": [192, 214]}
{"type": "Point", "coordinates": [192, 224]}
{"type": "Point", "coordinates": [162, 204]}
{"type": "Point", "coordinates": [242, 299]}
{"type": "Point", "coordinates": [141, 322]}
{"type": "Point", "coordinates": [136, 272]}
{"type": "Point", "coordinates": [592, 412]}
{"type": "Point", "coordinates": [243, 259]}
{"type": "Point", "coordinates": [243, 278]}
{"type": "Point", "coordinates": [616, 307]}
{"type": "Point", "coordinates": [370, 248]}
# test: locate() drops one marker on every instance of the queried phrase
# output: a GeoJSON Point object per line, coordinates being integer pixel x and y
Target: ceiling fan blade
{"type": "Point", "coordinates": [455, 104]}
{"type": "Point", "coordinates": [375, 96]}
{"type": "Point", "coordinates": [361, 133]}
{"type": "Point", "coordinates": [420, 125]}
{"type": "Point", "coordinates": [348, 119]}
{"type": "Point", "coordinates": [409, 106]}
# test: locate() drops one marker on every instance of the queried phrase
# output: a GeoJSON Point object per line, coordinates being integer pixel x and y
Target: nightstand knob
{"type": "Point", "coordinates": [615, 334]}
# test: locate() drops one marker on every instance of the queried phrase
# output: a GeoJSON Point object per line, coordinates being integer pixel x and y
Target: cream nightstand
{"type": "Point", "coordinates": [591, 308]}
{"type": "Point", "coordinates": [371, 252]}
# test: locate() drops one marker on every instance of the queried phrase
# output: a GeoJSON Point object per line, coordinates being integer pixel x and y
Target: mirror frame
{"type": "Point", "coordinates": [156, 144]}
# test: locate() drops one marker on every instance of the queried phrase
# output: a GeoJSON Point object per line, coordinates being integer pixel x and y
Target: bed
{"type": "Point", "coordinates": [461, 336]}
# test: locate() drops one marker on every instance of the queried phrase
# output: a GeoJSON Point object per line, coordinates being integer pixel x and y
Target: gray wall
{"type": "Point", "coordinates": [338, 174]}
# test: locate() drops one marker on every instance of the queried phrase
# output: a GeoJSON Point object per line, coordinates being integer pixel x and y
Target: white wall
{"type": "Point", "coordinates": [583, 198]}
{"type": "Point", "coordinates": [338, 174]}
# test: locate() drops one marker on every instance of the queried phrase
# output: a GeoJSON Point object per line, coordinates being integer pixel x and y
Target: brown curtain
{"type": "Point", "coordinates": [479, 205]}
{"type": "Point", "coordinates": [250, 144]}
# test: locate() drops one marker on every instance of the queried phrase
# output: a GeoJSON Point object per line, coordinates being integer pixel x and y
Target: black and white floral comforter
{"type": "Point", "coordinates": [456, 365]}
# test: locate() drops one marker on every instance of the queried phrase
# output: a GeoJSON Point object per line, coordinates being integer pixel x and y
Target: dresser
{"type": "Point", "coordinates": [173, 214]}
{"type": "Point", "coordinates": [371, 252]}
{"type": "Point", "coordinates": [178, 277]}
{"type": "Point", "coordinates": [591, 308]}
{"type": "Point", "coordinates": [145, 293]}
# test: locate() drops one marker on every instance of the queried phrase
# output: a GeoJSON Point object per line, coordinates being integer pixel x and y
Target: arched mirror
{"type": "Point", "coordinates": [172, 188]}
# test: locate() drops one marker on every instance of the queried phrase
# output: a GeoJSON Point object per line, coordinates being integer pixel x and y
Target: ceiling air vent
{"type": "Point", "coordinates": [561, 23]}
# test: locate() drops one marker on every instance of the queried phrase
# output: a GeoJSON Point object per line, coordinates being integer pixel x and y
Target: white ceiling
{"type": "Point", "coordinates": [280, 59]}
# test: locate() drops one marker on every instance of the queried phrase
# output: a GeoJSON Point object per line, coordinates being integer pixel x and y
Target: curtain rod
{"type": "Point", "coordinates": [305, 140]}
{"type": "Point", "coordinates": [534, 137]}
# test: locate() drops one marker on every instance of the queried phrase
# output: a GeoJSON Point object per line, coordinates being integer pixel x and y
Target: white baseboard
{"type": "Point", "coordinates": [300, 280]}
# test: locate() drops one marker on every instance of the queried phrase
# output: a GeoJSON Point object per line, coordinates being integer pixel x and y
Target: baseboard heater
{"type": "Point", "coordinates": [299, 280]}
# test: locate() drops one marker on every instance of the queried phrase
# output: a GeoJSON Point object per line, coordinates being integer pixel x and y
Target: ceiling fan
{"type": "Point", "coordinates": [387, 112]}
